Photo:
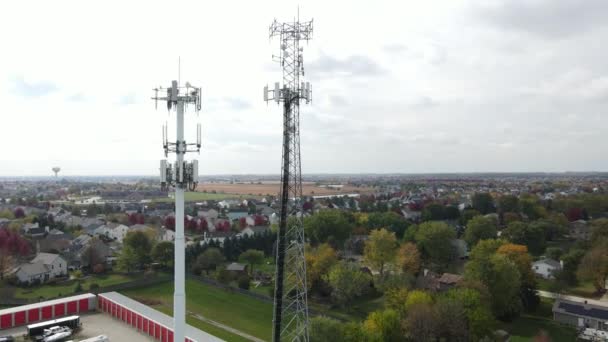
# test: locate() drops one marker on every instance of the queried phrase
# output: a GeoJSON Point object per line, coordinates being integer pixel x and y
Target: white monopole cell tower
{"type": "Point", "coordinates": [182, 175]}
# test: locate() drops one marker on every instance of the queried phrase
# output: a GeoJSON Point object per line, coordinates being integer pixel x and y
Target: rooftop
{"type": "Point", "coordinates": [165, 320]}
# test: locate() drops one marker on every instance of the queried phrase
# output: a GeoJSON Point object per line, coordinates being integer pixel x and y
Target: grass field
{"type": "Point", "coordinates": [527, 326]}
{"type": "Point", "coordinates": [66, 288]}
{"type": "Point", "coordinates": [241, 312]}
{"type": "Point", "coordinates": [206, 327]}
{"type": "Point", "coordinates": [272, 188]}
{"type": "Point", "coordinates": [584, 289]}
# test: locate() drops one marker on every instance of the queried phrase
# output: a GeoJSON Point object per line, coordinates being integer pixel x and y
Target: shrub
{"type": "Point", "coordinates": [243, 282]}
{"type": "Point", "coordinates": [94, 287]}
{"type": "Point", "coordinates": [78, 288]}
{"type": "Point", "coordinates": [224, 276]}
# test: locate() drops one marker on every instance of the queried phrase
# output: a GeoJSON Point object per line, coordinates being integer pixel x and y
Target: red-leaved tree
{"type": "Point", "coordinates": [223, 225]}
{"type": "Point", "coordinates": [170, 223]}
{"type": "Point", "coordinates": [11, 245]}
{"type": "Point", "coordinates": [19, 213]}
{"type": "Point", "coordinates": [203, 226]}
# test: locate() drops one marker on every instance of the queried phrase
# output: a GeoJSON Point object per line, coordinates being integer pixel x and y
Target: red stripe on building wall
{"type": "Point", "coordinates": [59, 310]}
{"type": "Point", "coordinates": [47, 312]}
{"type": "Point", "coordinates": [145, 326]}
{"type": "Point", "coordinates": [170, 336]}
{"type": "Point", "coordinates": [157, 334]}
{"type": "Point", "coordinates": [72, 307]}
{"type": "Point", "coordinates": [19, 318]}
{"type": "Point", "coordinates": [83, 305]}
{"type": "Point", "coordinates": [6, 321]}
{"type": "Point", "coordinates": [33, 315]}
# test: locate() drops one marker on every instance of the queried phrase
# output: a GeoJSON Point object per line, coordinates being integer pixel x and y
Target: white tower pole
{"type": "Point", "coordinates": [182, 175]}
{"type": "Point", "coordinates": [179, 295]}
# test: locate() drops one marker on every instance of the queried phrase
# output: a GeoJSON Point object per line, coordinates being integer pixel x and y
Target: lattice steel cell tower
{"type": "Point", "coordinates": [182, 175]}
{"type": "Point", "coordinates": [290, 317]}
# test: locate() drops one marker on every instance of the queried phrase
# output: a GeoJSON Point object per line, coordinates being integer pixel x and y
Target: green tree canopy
{"type": "Point", "coordinates": [483, 202]}
{"type": "Point", "coordinates": [383, 326]}
{"type": "Point", "coordinates": [380, 249]}
{"type": "Point", "coordinates": [318, 263]}
{"type": "Point", "coordinates": [594, 265]}
{"type": "Point", "coordinates": [508, 203]}
{"type": "Point", "coordinates": [501, 276]}
{"type": "Point", "coordinates": [328, 226]}
{"type": "Point", "coordinates": [479, 228]}
{"type": "Point", "coordinates": [599, 229]}
{"type": "Point", "coordinates": [347, 282]}
{"type": "Point", "coordinates": [252, 257]}
{"type": "Point", "coordinates": [163, 253]}
{"type": "Point", "coordinates": [208, 260]}
{"type": "Point", "coordinates": [434, 240]}
{"type": "Point", "coordinates": [531, 235]}
{"type": "Point", "coordinates": [137, 247]}
{"type": "Point", "coordinates": [389, 220]}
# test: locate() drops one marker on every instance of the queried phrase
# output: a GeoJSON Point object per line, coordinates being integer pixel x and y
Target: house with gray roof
{"type": "Point", "coordinates": [546, 268]}
{"type": "Point", "coordinates": [44, 267]}
{"type": "Point", "coordinates": [581, 314]}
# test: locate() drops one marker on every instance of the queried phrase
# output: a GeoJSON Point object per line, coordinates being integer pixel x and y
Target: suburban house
{"type": "Point", "coordinates": [581, 314]}
{"type": "Point", "coordinates": [167, 235]}
{"type": "Point", "coordinates": [236, 268]}
{"type": "Point", "coordinates": [119, 232]}
{"type": "Point", "coordinates": [579, 230]}
{"type": "Point", "coordinates": [33, 230]}
{"type": "Point", "coordinates": [236, 215]}
{"type": "Point", "coordinates": [448, 281]}
{"type": "Point", "coordinates": [431, 281]}
{"type": "Point", "coordinates": [546, 267]}
{"type": "Point", "coordinates": [102, 230]}
{"type": "Point", "coordinates": [44, 267]}
{"type": "Point", "coordinates": [210, 214]}
{"type": "Point", "coordinates": [251, 230]}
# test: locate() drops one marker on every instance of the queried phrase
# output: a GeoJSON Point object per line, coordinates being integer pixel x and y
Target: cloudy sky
{"type": "Point", "coordinates": [399, 86]}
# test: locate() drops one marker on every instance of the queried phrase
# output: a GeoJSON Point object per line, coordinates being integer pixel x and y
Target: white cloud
{"type": "Point", "coordinates": [397, 87]}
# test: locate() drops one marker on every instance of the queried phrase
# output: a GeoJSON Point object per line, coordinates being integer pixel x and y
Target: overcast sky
{"type": "Point", "coordinates": [398, 86]}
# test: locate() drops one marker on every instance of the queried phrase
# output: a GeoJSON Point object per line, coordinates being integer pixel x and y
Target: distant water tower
{"type": "Point", "coordinates": [56, 170]}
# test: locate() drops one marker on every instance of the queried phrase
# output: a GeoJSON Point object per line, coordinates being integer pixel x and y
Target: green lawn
{"type": "Point", "coordinates": [241, 312]}
{"type": "Point", "coordinates": [358, 310]}
{"type": "Point", "coordinates": [527, 326]}
{"type": "Point", "coordinates": [204, 326]}
{"type": "Point", "coordinates": [195, 196]}
{"type": "Point", "coordinates": [583, 289]}
{"type": "Point", "coordinates": [66, 288]}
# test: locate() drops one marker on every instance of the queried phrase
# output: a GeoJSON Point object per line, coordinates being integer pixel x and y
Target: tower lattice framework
{"type": "Point", "coordinates": [290, 316]}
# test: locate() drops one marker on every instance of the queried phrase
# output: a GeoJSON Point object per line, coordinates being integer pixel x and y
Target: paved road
{"type": "Point", "coordinates": [227, 328]}
{"type": "Point", "coordinates": [548, 294]}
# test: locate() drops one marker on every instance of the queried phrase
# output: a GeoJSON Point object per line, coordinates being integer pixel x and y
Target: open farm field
{"type": "Point", "coordinates": [272, 188]}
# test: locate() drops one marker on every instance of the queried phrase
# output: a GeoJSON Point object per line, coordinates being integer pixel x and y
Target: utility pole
{"type": "Point", "coordinates": [290, 315]}
{"type": "Point", "coordinates": [182, 175]}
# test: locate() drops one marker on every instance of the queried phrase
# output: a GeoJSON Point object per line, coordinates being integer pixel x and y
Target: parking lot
{"type": "Point", "coordinates": [94, 324]}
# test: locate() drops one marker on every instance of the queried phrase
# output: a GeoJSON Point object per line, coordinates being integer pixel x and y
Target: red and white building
{"type": "Point", "coordinates": [147, 320]}
{"type": "Point", "coordinates": [44, 311]}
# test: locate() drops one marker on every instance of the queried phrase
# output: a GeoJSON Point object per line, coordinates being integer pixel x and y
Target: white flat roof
{"type": "Point", "coordinates": [45, 303]}
{"type": "Point", "coordinates": [192, 333]}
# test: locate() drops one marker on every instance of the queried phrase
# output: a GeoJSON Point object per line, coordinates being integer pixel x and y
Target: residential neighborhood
{"type": "Point", "coordinates": [508, 239]}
